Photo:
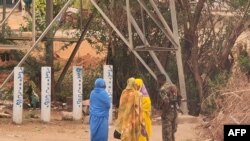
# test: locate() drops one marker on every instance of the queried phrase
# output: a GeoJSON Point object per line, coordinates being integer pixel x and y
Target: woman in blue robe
{"type": "Point", "coordinates": [99, 111]}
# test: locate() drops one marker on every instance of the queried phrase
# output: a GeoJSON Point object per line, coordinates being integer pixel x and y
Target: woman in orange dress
{"type": "Point", "coordinates": [130, 120]}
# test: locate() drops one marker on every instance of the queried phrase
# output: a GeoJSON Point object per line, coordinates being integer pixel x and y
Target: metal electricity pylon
{"type": "Point", "coordinates": [171, 35]}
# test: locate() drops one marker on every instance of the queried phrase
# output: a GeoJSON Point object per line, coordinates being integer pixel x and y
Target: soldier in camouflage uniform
{"type": "Point", "coordinates": [168, 94]}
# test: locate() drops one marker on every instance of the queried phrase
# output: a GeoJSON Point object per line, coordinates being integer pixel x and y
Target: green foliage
{"type": "Point", "coordinates": [66, 87]}
{"type": "Point", "coordinates": [32, 66]}
{"type": "Point", "coordinates": [193, 98]}
{"type": "Point", "coordinates": [6, 33]}
{"type": "Point", "coordinates": [6, 67]}
{"type": "Point", "coordinates": [218, 80]}
{"type": "Point", "coordinates": [172, 68]}
{"type": "Point", "coordinates": [209, 106]}
{"type": "Point", "coordinates": [211, 86]}
{"type": "Point", "coordinates": [125, 63]}
{"type": "Point", "coordinates": [244, 63]}
{"type": "Point", "coordinates": [41, 14]}
{"type": "Point", "coordinates": [6, 94]}
{"type": "Point", "coordinates": [89, 77]}
{"type": "Point", "coordinates": [86, 4]}
{"type": "Point", "coordinates": [238, 3]}
{"type": "Point", "coordinates": [27, 27]}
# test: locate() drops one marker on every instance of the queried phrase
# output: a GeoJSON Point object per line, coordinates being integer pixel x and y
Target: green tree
{"type": "Point", "coordinates": [207, 40]}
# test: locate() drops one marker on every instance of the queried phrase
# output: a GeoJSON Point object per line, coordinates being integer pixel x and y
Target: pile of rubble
{"type": "Point", "coordinates": [5, 109]}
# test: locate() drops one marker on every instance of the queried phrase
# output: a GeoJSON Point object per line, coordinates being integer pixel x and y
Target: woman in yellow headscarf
{"type": "Point", "coordinates": [146, 109]}
{"type": "Point", "coordinates": [130, 119]}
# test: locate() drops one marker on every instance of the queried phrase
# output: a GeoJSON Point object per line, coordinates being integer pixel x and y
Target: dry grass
{"type": "Point", "coordinates": [234, 106]}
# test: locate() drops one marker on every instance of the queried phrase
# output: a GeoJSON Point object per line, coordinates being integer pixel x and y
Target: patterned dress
{"type": "Point", "coordinates": [130, 115]}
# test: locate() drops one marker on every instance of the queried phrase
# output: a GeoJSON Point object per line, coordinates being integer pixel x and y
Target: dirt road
{"type": "Point", "coordinates": [34, 130]}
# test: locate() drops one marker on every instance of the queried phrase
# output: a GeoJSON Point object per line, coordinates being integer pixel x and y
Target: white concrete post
{"type": "Point", "coordinates": [46, 94]}
{"type": "Point", "coordinates": [108, 77]}
{"type": "Point", "coordinates": [77, 92]}
{"type": "Point", "coordinates": [18, 95]}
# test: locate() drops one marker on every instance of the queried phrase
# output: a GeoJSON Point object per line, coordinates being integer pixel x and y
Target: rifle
{"type": "Point", "coordinates": [175, 102]}
{"type": "Point", "coordinates": [179, 109]}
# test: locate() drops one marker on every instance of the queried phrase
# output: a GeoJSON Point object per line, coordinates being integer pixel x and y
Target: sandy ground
{"type": "Point", "coordinates": [73, 131]}
{"type": "Point", "coordinates": [35, 130]}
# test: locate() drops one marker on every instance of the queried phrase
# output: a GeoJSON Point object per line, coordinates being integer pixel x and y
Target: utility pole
{"type": "Point", "coordinates": [49, 49]}
{"type": "Point", "coordinates": [4, 16]}
{"type": "Point", "coordinates": [179, 57]}
{"type": "Point", "coordinates": [33, 22]}
{"type": "Point", "coordinates": [77, 46]}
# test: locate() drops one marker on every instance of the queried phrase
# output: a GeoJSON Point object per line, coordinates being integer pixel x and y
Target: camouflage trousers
{"type": "Point", "coordinates": [169, 125]}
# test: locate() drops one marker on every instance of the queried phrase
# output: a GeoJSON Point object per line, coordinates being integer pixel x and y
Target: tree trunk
{"type": "Point", "coordinates": [229, 45]}
{"type": "Point", "coordinates": [194, 66]}
{"type": "Point", "coordinates": [191, 42]}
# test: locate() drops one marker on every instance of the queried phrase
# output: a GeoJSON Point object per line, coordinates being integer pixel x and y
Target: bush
{"type": "Point", "coordinates": [66, 89]}
{"type": "Point", "coordinates": [6, 94]}
{"type": "Point", "coordinates": [219, 80]}
{"type": "Point", "coordinates": [7, 32]}
{"type": "Point", "coordinates": [89, 77]}
{"type": "Point", "coordinates": [192, 96]}
{"type": "Point", "coordinates": [244, 63]}
{"type": "Point", "coordinates": [209, 106]}
{"type": "Point", "coordinates": [215, 83]}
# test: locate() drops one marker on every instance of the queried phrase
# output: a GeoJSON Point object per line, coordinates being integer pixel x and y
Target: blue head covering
{"type": "Point", "coordinates": [99, 111]}
{"type": "Point", "coordinates": [99, 99]}
{"type": "Point", "coordinates": [100, 83]}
